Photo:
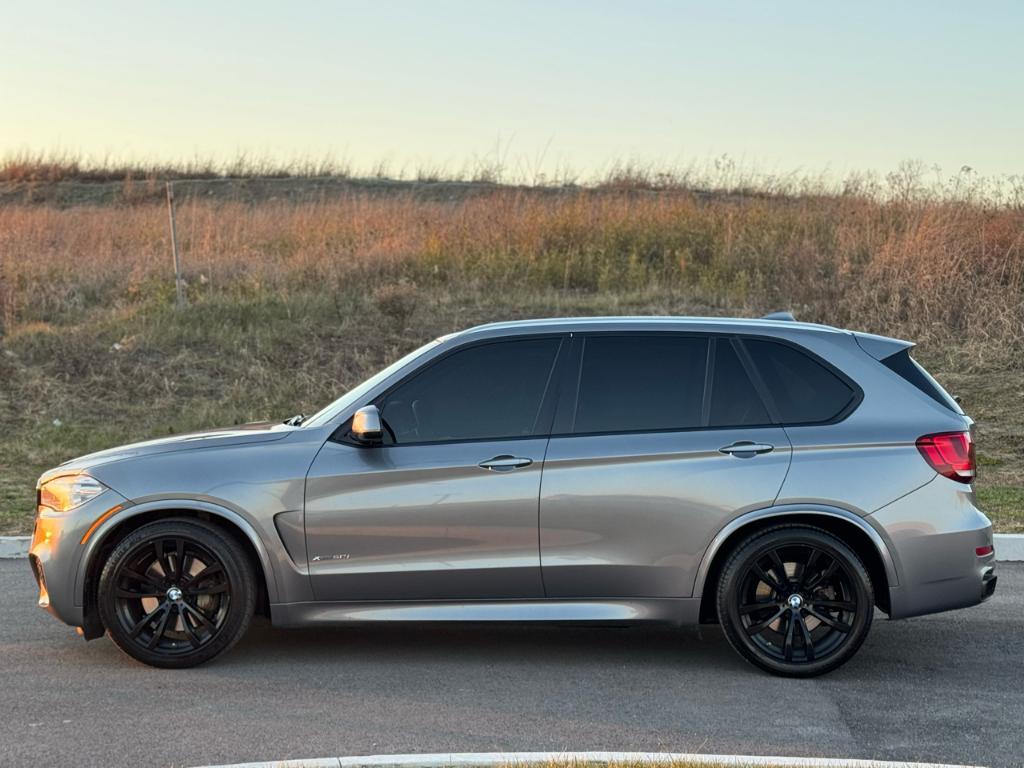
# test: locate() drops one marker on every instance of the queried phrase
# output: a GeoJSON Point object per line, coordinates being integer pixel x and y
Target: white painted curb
{"type": "Point", "coordinates": [1009, 546]}
{"type": "Point", "coordinates": [13, 546]}
{"type": "Point", "coordinates": [490, 759]}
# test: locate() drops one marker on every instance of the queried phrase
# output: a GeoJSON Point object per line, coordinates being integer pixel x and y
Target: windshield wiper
{"type": "Point", "coordinates": [296, 420]}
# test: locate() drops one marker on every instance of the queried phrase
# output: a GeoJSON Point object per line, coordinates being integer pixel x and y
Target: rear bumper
{"type": "Point", "coordinates": [935, 534]}
{"type": "Point", "coordinates": [962, 592]}
{"type": "Point", "coordinates": [988, 583]}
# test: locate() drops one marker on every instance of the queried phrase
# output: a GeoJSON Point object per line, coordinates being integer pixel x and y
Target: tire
{"type": "Point", "coordinates": [795, 600]}
{"type": "Point", "coordinates": [176, 593]}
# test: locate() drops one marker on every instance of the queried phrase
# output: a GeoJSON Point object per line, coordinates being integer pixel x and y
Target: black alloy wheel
{"type": "Point", "coordinates": [795, 600]}
{"type": "Point", "coordinates": [176, 593]}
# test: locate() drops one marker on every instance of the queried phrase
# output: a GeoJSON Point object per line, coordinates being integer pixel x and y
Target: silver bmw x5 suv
{"type": "Point", "coordinates": [782, 479]}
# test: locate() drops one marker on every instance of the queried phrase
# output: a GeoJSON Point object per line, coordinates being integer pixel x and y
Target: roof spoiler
{"type": "Point", "coordinates": [880, 347]}
{"type": "Point", "coordinates": [786, 316]}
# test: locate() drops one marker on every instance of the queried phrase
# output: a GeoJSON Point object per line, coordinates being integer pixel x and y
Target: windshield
{"type": "Point", "coordinates": [359, 391]}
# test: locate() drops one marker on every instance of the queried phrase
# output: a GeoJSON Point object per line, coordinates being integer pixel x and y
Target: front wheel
{"type": "Point", "coordinates": [795, 601]}
{"type": "Point", "coordinates": [176, 593]}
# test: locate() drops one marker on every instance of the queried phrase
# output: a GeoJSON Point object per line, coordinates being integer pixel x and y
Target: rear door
{"type": "Point", "coordinates": [661, 440]}
{"type": "Point", "coordinates": [447, 507]}
{"type": "Point", "coordinates": [861, 464]}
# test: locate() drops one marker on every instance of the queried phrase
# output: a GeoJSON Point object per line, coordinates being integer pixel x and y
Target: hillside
{"type": "Point", "coordinates": [298, 287]}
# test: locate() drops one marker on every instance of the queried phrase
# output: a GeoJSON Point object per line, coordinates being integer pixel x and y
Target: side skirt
{"type": "Point", "coordinates": [663, 610]}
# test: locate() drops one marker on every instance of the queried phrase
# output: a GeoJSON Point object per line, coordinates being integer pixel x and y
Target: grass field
{"type": "Point", "coordinates": [298, 288]}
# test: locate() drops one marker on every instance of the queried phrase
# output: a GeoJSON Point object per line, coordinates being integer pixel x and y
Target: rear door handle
{"type": "Point", "coordinates": [745, 449]}
{"type": "Point", "coordinates": [506, 463]}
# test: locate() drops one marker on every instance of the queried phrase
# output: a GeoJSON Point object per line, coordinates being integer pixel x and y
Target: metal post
{"type": "Point", "coordinates": [178, 282]}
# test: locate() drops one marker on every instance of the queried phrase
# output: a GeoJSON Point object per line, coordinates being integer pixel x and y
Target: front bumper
{"type": "Point", "coordinates": [55, 555]}
{"type": "Point", "coordinates": [936, 533]}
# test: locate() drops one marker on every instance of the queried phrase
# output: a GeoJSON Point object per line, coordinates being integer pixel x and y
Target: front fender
{"type": "Point", "coordinates": [96, 540]}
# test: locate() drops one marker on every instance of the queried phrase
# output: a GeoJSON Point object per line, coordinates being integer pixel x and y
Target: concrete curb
{"type": "Point", "coordinates": [490, 759]}
{"type": "Point", "coordinates": [13, 546]}
{"type": "Point", "coordinates": [1009, 546]}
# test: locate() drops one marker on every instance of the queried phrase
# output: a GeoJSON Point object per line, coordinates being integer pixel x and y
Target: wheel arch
{"type": "Point", "coordinates": [850, 528]}
{"type": "Point", "coordinates": [133, 517]}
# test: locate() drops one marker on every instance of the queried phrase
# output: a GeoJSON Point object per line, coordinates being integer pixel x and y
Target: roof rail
{"type": "Point", "coordinates": [787, 316]}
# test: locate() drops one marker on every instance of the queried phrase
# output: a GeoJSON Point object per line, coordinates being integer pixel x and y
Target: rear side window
{"type": "Point", "coordinates": [734, 400]}
{"type": "Point", "coordinates": [909, 369]}
{"type": "Point", "coordinates": [804, 390]}
{"type": "Point", "coordinates": [637, 382]}
{"type": "Point", "coordinates": [488, 391]}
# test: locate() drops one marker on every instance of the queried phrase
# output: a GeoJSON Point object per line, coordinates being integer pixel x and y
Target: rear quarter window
{"type": "Point", "coordinates": [804, 390]}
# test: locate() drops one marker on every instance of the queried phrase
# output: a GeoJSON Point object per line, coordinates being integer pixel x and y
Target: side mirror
{"type": "Point", "coordinates": [366, 426]}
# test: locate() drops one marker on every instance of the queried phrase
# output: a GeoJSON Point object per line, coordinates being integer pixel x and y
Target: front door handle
{"type": "Point", "coordinates": [506, 463]}
{"type": "Point", "coordinates": [745, 449]}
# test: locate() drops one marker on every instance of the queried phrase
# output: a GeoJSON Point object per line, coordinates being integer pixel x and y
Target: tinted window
{"type": "Point", "coordinates": [487, 391]}
{"type": "Point", "coordinates": [804, 391]}
{"type": "Point", "coordinates": [907, 367]}
{"type": "Point", "coordinates": [637, 382]}
{"type": "Point", "coordinates": [734, 400]}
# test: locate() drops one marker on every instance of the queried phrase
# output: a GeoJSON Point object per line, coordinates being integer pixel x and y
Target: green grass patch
{"type": "Point", "coordinates": [1004, 505]}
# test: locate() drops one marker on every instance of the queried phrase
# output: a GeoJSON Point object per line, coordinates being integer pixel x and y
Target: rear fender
{"type": "Point", "coordinates": [787, 510]}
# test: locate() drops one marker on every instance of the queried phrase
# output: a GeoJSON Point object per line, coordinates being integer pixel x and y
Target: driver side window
{"type": "Point", "coordinates": [486, 391]}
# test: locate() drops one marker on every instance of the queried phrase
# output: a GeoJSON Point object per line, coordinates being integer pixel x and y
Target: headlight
{"type": "Point", "coordinates": [62, 494]}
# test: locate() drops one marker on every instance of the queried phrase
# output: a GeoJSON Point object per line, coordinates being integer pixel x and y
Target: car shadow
{"type": "Point", "coordinates": [912, 650]}
{"type": "Point", "coordinates": [486, 643]}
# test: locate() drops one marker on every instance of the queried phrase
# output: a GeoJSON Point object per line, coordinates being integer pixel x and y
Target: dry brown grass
{"type": "Point", "coordinates": [941, 270]}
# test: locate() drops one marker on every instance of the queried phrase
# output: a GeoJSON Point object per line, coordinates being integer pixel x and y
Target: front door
{"type": "Point", "coordinates": [446, 508]}
{"type": "Point", "coordinates": [667, 441]}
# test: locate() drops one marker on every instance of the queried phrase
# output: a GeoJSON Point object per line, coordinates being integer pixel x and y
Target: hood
{"type": "Point", "coordinates": [260, 432]}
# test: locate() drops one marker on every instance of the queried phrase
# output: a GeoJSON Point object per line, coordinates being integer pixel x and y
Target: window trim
{"type": "Point", "coordinates": [561, 393]}
{"type": "Point", "coordinates": [566, 407]}
{"type": "Point", "coordinates": [545, 413]}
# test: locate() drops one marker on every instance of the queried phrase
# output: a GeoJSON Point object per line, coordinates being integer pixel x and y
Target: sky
{"type": "Point", "coordinates": [536, 86]}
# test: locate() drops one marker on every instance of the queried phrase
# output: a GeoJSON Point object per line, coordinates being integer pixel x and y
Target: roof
{"type": "Point", "coordinates": [632, 322]}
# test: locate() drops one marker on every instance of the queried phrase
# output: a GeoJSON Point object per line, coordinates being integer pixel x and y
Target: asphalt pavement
{"type": "Point", "coordinates": [945, 688]}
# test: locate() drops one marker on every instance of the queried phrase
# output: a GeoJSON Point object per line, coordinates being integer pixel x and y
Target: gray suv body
{"type": "Point", "coordinates": [781, 478]}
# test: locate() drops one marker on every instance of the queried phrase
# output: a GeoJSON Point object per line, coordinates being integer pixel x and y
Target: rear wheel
{"type": "Point", "coordinates": [795, 600]}
{"type": "Point", "coordinates": [176, 593]}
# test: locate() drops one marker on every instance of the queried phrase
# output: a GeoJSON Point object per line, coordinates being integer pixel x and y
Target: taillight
{"type": "Point", "coordinates": [951, 454]}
